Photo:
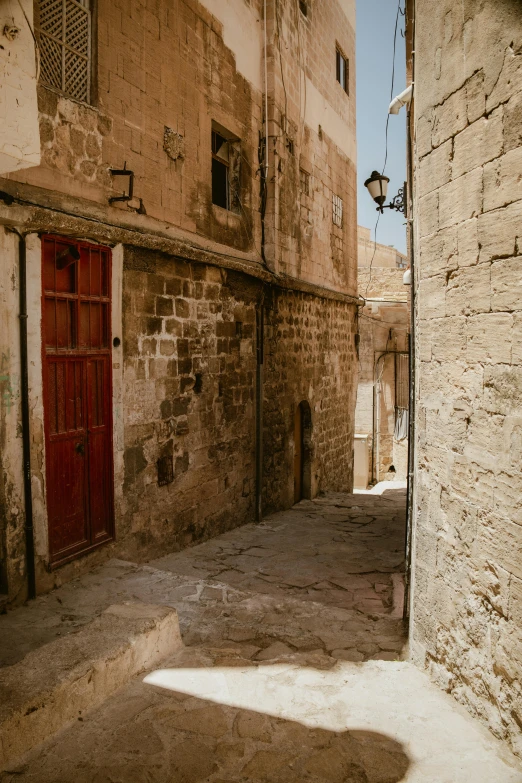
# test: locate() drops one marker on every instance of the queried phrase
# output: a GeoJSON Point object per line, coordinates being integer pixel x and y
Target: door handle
{"type": "Point", "coordinates": [80, 448]}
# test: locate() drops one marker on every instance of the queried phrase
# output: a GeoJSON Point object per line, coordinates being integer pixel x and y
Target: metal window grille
{"type": "Point", "coordinates": [304, 181]}
{"type": "Point", "coordinates": [65, 46]}
{"type": "Point", "coordinates": [337, 210]}
{"type": "Point", "coordinates": [165, 466]}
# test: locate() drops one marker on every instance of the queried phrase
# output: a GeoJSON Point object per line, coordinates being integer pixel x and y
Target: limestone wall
{"type": "Point", "coordinates": [309, 356]}
{"type": "Point", "coordinates": [382, 327]}
{"type": "Point", "coordinates": [376, 254]}
{"type": "Point", "coordinates": [176, 70]}
{"type": "Point", "coordinates": [467, 598]}
{"type": "Point", "coordinates": [183, 377]}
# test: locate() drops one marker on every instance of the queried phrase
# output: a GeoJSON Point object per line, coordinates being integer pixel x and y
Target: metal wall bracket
{"type": "Point", "coordinates": [124, 172]}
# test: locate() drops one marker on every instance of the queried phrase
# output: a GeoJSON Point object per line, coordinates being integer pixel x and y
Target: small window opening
{"type": "Point", "coordinates": [220, 170]}
{"type": "Point", "coordinates": [342, 70]}
{"type": "Point", "coordinates": [290, 146]}
{"type": "Point", "coordinates": [226, 174]}
{"type": "Point", "coordinates": [304, 181]}
{"type": "Point", "coordinates": [165, 469]}
{"type": "Point", "coordinates": [198, 384]}
{"type": "Point", "coordinates": [303, 7]}
{"type": "Point", "coordinates": [239, 329]}
{"type": "Point", "coordinates": [337, 211]}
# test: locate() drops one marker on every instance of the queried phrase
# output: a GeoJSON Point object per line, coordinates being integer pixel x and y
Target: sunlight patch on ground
{"type": "Point", "coordinates": [393, 698]}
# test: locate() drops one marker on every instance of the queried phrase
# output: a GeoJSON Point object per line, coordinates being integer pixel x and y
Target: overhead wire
{"type": "Point", "coordinates": [399, 12]}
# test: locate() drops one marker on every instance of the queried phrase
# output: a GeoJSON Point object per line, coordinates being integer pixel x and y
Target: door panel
{"type": "Point", "coordinates": [66, 497]}
{"type": "Point", "coordinates": [77, 396]}
{"type": "Point", "coordinates": [100, 483]}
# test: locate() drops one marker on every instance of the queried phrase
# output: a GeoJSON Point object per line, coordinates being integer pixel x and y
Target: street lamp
{"type": "Point", "coordinates": [377, 186]}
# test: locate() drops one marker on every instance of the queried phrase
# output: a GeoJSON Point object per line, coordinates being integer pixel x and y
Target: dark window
{"type": "Point", "coordinates": [220, 170]}
{"type": "Point", "coordinates": [342, 70]}
{"type": "Point", "coordinates": [303, 7]}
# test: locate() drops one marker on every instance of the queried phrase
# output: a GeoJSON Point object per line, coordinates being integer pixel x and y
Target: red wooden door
{"type": "Point", "coordinates": [77, 396]}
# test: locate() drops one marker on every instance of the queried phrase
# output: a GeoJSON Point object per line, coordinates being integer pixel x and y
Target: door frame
{"type": "Point", "coordinates": [56, 561]}
{"type": "Point", "coordinates": [305, 414]}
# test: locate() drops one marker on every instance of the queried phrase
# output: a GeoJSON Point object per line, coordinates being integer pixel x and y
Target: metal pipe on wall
{"type": "Point", "coordinates": [411, 237]}
{"type": "Point", "coordinates": [24, 400]}
{"type": "Point", "coordinates": [260, 347]}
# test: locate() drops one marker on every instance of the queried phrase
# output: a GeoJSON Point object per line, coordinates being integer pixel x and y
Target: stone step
{"type": "Point", "coordinates": [58, 682]}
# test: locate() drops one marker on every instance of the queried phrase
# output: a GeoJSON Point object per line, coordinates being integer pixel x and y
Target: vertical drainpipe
{"type": "Point", "coordinates": [24, 399]}
{"type": "Point", "coordinates": [411, 433]}
{"type": "Point", "coordinates": [260, 332]}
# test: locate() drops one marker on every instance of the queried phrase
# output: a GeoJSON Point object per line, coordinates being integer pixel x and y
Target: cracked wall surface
{"type": "Point", "coordinates": [467, 599]}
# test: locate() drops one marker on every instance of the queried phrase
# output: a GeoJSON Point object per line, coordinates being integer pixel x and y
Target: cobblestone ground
{"type": "Point", "coordinates": [276, 620]}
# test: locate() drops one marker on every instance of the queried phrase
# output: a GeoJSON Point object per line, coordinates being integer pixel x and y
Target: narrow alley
{"type": "Point", "coordinates": [260, 391]}
{"type": "Point", "coordinates": [290, 666]}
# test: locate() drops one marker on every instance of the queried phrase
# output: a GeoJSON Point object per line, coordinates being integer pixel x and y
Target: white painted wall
{"type": "Point", "coordinates": [242, 34]}
{"type": "Point", "coordinates": [19, 129]}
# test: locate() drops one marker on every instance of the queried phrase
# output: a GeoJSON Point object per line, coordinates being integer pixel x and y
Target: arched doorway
{"type": "Point", "coordinates": [302, 451]}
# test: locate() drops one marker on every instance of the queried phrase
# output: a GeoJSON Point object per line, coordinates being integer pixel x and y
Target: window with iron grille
{"type": "Point", "coordinates": [337, 211]}
{"type": "Point", "coordinates": [64, 28]}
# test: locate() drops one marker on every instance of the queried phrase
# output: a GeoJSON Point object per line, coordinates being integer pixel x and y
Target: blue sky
{"type": "Point", "coordinates": [375, 31]}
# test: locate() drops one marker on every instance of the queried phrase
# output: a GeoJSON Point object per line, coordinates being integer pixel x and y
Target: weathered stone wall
{"type": "Point", "coordinates": [189, 392]}
{"type": "Point", "coordinates": [370, 253]}
{"type": "Point", "coordinates": [309, 356]}
{"type": "Point", "coordinates": [189, 380]}
{"type": "Point", "coordinates": [382, 327]}
{"type": "Point", "coordinates": [218, 77]}
{"type": "Point", "coordinates": [184, 380]}
{"type": "Point", "coordinates": [382, 283]}
{"type": "Point", "coordinates": [467, 598]}
{"type": "Point", "coordinates": [312, 130]}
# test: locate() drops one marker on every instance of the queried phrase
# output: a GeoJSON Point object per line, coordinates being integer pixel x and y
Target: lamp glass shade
{"type": "Point", "coordinates": [377, 186]}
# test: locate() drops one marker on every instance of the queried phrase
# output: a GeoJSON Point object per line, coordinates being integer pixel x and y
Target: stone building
{"type": "Point", "coordinates": [467, 144]}
{"type": "Point", "coordinates": [376, 254]}
{"type": "Point", "coordinates": [381, 412]}
{"type": "Point", "coordinates": [186, 252]}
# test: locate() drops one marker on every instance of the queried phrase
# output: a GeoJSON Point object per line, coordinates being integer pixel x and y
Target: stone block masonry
{"type": "Point", "coordinates": [189, 396]}
{"type": "Point", "coordinates": [309, 356]}
{"type": "Point", "coordinates": [468, 216]}
{"type": "Point", "coordinates": [164, 77]}
{"type": "Point", "coordinates": [189, 347]}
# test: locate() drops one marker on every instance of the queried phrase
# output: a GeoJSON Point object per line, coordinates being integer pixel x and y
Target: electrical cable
{"type": "Point", "coordinates": [401, 12]}
{"type": "Point", "coordinates": [285, 129]}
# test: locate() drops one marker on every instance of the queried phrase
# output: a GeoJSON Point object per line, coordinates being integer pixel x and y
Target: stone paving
{"type": "Point", "coordinates": [291, 670]}
{"type": "Point", "coordinates": [317, 577]}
